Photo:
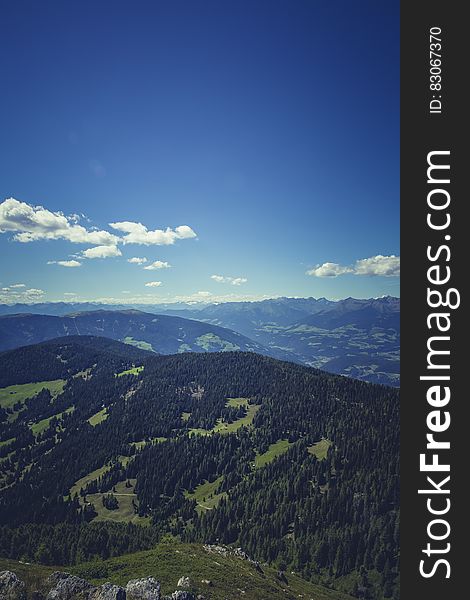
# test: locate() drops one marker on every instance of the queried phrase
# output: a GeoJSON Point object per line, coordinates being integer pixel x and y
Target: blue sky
{"type": "Point", "coordinates": [263, 134]}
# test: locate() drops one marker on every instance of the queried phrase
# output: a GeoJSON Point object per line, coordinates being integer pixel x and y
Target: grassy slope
{"type": "Point", "coordinates": [170, 561]}
{"type": "Point", "coordinates": [33, 575]}
{"type": "Point", "coordinates": [140, 444]}
{"type": "Point", "coordinates": [211, 341]}
{"type": "Point", "coordinates": [133, 371]}
{"type": "Point", "coordinates": [84, 481]}
{"type": "Point", "coordinates": [236, 402]}
{"type": "Point", "coordinates": [138, 344]}
{"type": "Point", "coordinates": [125, 513]}
{"type": "Point", "coordinates": [43, 424]}
{"type": "Point", "coordinates": [320, 449]}
{"type": "Point", "coordinates": [205, 494]}
{"type": "Point", "coordinates": [19, 393]}
{"type": "Point", "coordinates": [6, 442]}
{"type": "Point", "coordinates": [125, 495]}
{"type": "Point", "coordinates": [98, 417]}
{"type": "Point", "coordinates": [271, 453]}
{"type": "Point", "coordinates": [222, 427]}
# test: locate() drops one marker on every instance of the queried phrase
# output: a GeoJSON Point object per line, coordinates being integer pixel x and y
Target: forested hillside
{"type": "Point", "coordinates": [103, 453]}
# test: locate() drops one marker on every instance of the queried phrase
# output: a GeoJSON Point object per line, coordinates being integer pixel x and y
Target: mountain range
{"type": "Point", "coordinates": [157, 333]}
{"type": "Point", "coordinates": [354, 337]}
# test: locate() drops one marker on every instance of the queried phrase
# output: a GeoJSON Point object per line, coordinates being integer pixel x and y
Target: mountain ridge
{"type": "Point", "coordinates": [159, 333]}
{"type": "Point", "coordinates": [353, 337]}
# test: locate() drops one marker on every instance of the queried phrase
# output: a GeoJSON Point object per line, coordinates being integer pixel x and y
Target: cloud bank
{"type": "Point", "coordinates": [15, 294]}
{"type": "Point", "coordinates": [231, 280]}
{"type": "Point", "coordinates": [375, 266]}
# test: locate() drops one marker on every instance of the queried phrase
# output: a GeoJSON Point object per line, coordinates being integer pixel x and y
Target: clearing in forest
{"type": "Point", "coordinates": [223, 427]}
{"type": "Point", "coordinates": [274, 450]}
{"type": "Point", "coordinates": [14, 394]}
{"type": "Point", "coordinates": [320, 449]}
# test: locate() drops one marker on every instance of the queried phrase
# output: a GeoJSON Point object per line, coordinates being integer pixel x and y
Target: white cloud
{"type": "Point", "coordinates": [73, 294]}
{"type": "Point", "coordinates": [386, 266]}
{"type": "Point", "coordinates": [30, 223]}
{"type": "Point", "coordinates": [158, 264]}
{"type": "Point", "coordinates": [136, 233]}
{"type": "Point", "coordinates": [202, 294]}
{"type": "Point", "coordinates": [135, 260]}
{"type": "Point", "coordinates": [231, 280]}
{"type": "Point", "coordinates": [383, 266]}
{"type": "Point", "coordinates": [65, 263]}
{"type": "Point", "coordinates": [329, 269]}
{"type": "Point", "coordinates": [153, 284]}
{"type": "Point", "coordinates": [17, 286]}
{"type": "Point", "coordinates": [13, 295]}
{"type": "Point", "coordinates": [101, 252]}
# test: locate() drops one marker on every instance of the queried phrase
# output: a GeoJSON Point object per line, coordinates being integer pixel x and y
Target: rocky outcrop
{"type": "Point", "coordinates": [64, 586]}
{"type": "Point", "coordinates": [11, 588]}
{"type": "Point", "coordinates": [143, 589]}
{"type": "Point", "coordinates": [184, 582]}
{"type": "Point", "coordinates": [180, 595]}
{"type": "Point", "coordinates": [108, 591]}
{"type": "Point", "coordinates": [238, 552]}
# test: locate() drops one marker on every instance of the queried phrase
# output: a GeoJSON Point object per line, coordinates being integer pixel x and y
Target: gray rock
{"type": "Point", "coordinates": [65, 586]}
{"type": "Point", "coordinates": [143, 589]}
{"type": "Point", "coordinates": [180, 595]}
{"type": "Point", "coordinates": [11, 588]}
{"type": "Point", "coordinates": [184, 582]}
{"type": "Point", "coordinates": [108, 591]}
